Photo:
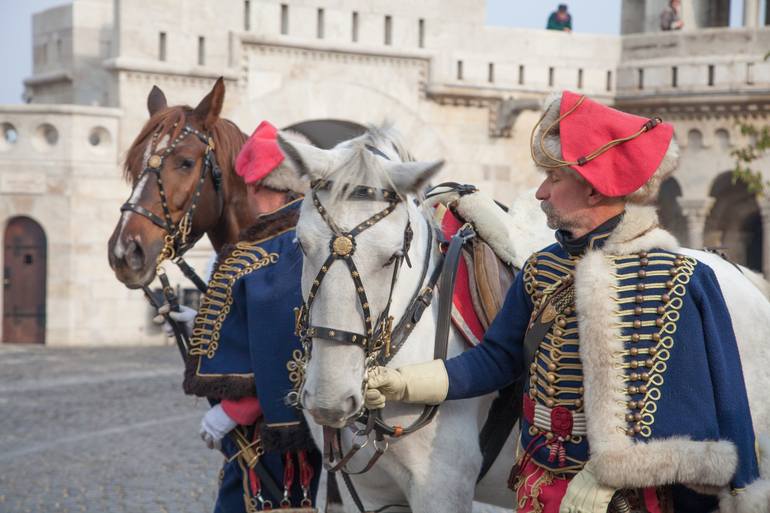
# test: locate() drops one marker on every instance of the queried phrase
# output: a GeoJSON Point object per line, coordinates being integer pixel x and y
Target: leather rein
{"type": "Point", "coordinates": [380, 341]}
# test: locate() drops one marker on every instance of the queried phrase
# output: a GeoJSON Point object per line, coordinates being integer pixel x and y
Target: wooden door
{"type": "Point", "coordinates": [24, 281]}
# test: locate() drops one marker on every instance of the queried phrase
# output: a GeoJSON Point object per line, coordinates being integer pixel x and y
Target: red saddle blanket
{"type": "Point", "coordinates": [464, 316]}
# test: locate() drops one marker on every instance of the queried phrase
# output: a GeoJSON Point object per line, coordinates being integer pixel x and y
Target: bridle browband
{"type": "Point", "coordinates": [177, 239]}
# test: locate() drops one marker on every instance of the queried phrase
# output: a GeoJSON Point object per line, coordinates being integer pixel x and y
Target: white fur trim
{"type": "Point", "coordinates": [755, 498]}
{"type": "Point", "coordinates": [552, 142]}
{"type": "Point", "coordinates": [512, 235]}
{"type": "Point", "coordinates": [639, 231]}
{"type": "Point", "coordinates": [621, 461]}
{"type": "Point", "coordinates": [673, 460]}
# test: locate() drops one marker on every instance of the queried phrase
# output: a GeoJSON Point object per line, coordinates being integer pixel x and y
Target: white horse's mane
{"type": "Point", "coordinates": [362, 167]}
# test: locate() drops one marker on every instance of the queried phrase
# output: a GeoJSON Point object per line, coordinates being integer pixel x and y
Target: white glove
{"type": "Point", "coordinates": [425, 383]}
{"type": "Point", "coordinates": [585, 494]}
{"type": "Point", "coordinates": [185, 317]}
{"type": "Point", "coordinates": [215, 425]}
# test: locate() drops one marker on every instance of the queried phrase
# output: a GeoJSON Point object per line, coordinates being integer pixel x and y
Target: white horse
{"type": "Point", "coordinates": [435, 468]}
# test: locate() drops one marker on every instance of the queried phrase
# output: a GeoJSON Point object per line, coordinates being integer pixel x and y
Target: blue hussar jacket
{"type": "Point", "coordinates": [639, 370]}
{"type": "Point", "coordinates": [243, 337]}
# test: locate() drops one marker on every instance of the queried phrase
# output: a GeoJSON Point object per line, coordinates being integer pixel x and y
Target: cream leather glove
{"type": "Point", "coordinates": [585, 494]}
{"type": "Point", "coordinates": [424, 383]}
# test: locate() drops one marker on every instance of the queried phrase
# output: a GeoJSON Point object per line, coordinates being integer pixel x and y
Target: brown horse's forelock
{"type": "Point", "coordinates": [227, 137]}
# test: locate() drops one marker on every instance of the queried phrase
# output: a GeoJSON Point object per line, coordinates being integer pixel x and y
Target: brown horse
{"type": "Point", "coordinates": [192, 183]}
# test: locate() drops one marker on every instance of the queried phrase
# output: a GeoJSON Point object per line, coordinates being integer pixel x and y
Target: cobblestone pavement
{"type": "Point", "coordinates": [101, 430]}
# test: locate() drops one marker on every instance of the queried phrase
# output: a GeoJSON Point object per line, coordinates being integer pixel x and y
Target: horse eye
{"type": "Point", "coordinates": [187, 164]}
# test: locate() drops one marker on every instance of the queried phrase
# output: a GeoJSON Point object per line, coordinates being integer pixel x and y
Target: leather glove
{"type": "Point", "coordinates": [185, 317]}
{"type": "Point", "coordinates": [585, 494]}
{"type": "Point", "coordinates": [215, 425]}
{"type": "Point", "coordinates": [424, 383]}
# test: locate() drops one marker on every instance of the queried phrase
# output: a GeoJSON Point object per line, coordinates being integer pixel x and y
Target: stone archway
{"type": "Point", "coordinates": [327, 133]}
{"type": "Point", "coordinates": [734, 224]}
{"type": "Point", "coordinates": [24, 281]}
{"type": "Point", "coordinates": [670, 212]}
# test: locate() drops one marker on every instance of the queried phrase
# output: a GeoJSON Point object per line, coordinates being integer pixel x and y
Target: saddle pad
{"type": "Point", "coordinates": [464, 316]}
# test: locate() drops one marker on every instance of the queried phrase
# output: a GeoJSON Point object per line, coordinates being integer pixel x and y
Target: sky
{"type": "Point", "coordinates": [593, 16]}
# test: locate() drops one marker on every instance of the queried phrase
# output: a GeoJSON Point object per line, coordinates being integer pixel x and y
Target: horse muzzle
{"type": "Point", "coordinates": [334, 414]}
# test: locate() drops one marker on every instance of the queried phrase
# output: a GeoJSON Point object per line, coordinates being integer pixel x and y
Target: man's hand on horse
{"type": "Point", "coordinates": [185, 317]}
{"type": "Point", "coordinates": [423, 383]}
{"type": "Point", "coordinates": [215, 425]}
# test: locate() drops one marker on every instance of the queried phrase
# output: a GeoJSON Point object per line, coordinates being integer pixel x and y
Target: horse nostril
{"type": "Point", "coordinates": [134, 256]}
{"type": "Point", "coordinates": [352, 404]}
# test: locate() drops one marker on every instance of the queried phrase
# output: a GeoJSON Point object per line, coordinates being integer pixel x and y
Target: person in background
{"type": "Point", "coordinates": [671, 16]}
{"type": "Point", "coordinates": [560, 19]}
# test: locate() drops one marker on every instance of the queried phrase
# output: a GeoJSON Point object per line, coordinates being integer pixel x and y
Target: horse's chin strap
{"type": "Point", "coordinates": [178, 238]}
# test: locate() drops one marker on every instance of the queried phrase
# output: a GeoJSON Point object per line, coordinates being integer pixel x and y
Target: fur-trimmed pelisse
{"type": "Point", "coordinates": [646, 194]}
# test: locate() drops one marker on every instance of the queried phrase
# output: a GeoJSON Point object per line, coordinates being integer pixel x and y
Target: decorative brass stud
{"type": "Point", "coordinates": [155, 161]}
{"type": "Point", "coordinates": [342, 245]}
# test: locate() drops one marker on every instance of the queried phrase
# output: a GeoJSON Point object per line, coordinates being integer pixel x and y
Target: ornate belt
{"type": "Point", "coordinates": [558, 420]}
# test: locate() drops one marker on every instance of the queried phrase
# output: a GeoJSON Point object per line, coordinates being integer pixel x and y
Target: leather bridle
{"type": "Point", "coordinates": [380, 340]}
{"type": "Point", "coordinates": [177, 239]}
{"type": "Point", "coordinates": [342, 247]}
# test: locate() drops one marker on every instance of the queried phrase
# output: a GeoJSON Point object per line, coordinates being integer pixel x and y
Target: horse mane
{"type": "Point", "coordinates": [228, 139]}
{"type": "Point", "coordinates": [361, 167]}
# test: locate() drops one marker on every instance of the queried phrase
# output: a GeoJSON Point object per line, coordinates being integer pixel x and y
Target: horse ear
{"type": "Point", "coordinates": [156, 100]}
{"type": "Point", "coordinates": [211, 105]}
{"type": "Point", "coordinates": [412, 176]}
{"type": "Point", "coordinates": [306, 159]}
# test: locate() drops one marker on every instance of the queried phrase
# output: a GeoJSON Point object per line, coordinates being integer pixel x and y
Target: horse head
{"type": "Point", "coordinates": [180, 169]}
{"type": "Point", "coordinates": [355, 229]}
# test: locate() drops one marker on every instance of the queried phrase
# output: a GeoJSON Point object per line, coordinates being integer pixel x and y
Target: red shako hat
{"type": "Point", "coordinates": [616, 152]}
{"type": "Point", "coordinates": [260, 154]}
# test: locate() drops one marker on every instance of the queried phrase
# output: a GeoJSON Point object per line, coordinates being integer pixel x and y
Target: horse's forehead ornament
{"type": "Point", "coordinates": [155, 161]}
{"type": "Point", "coordinates": [342, 246]}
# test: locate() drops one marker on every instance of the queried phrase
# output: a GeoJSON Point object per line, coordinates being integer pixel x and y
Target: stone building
{"type": "Point", "coordinates": [456, 88]}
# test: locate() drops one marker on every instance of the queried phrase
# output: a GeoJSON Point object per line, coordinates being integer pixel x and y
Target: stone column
{"type": "Point", "coordinates": [689, 14]}
{"type": "Point", "coordinates": [695, 211]}
{"type": "Point", "coordinates": [764, 212]}
{"type": "Point", "coordinates": [750, 13]}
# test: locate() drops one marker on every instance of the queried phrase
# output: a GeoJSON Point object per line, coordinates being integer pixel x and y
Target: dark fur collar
{"type": "Point", "coordinates": [267, 226]}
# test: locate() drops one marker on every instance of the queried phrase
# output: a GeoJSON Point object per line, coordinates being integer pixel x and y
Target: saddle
{"type": "Point", "coordinates": [486, 271]}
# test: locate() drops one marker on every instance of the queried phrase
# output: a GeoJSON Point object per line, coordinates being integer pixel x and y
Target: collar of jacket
{"type": "Point", "coordinates": [594, 239]}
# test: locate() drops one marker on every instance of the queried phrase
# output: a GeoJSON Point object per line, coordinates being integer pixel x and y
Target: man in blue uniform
{"type": "Point", "coordinates": [634, 398]}
{"type": "Point", "coordinates": [243, 338]}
